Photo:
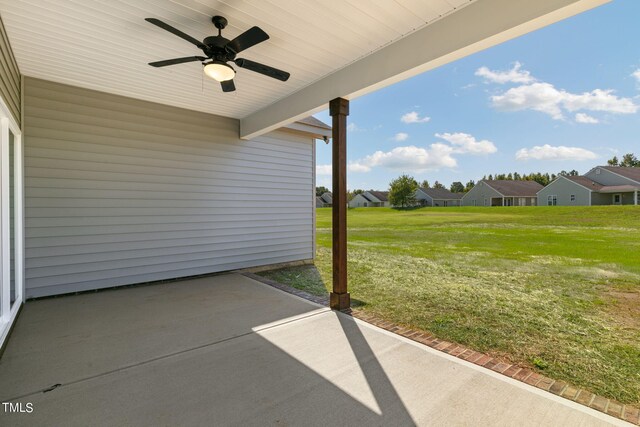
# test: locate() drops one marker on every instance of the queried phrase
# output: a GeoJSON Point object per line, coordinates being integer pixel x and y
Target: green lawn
{"type": "Point", "coordinates": [555, 288]}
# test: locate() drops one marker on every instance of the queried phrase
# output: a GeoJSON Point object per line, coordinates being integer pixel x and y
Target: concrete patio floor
{"type": "Point", "coordinates": [227, 350]}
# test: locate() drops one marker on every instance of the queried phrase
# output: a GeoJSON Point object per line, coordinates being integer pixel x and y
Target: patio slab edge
{"type": "Point", "coordinates": [559, 388]}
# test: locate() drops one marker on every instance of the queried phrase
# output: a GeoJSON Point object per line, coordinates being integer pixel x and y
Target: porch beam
{"type": "Point", "coordinates": [473, 28]}
{"type": "Point", "coordinates": [339, 110]}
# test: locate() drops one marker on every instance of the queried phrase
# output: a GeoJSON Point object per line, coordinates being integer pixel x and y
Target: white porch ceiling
{"type": "Point", "coordinates": [332, 48]}
{"type": "Point", "coordinates": [106, 45]}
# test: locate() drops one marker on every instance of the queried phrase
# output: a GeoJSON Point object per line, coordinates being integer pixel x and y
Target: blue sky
{"type": "Point", "coordinates": [564, 97]}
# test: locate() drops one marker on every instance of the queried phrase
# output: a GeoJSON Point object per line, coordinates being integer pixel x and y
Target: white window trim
{"type": "Point", "coordinates": [7, 313]}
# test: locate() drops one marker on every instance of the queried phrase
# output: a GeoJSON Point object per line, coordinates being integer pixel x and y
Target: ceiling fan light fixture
{"type": "Point", "coordinates": [219, 71]}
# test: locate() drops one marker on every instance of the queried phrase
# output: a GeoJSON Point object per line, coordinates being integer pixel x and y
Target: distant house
{"type": "Point", "coordinates": [324, 201]}
{"type": "Point", "coordinates": [602, 185]}
{"type": "Point", "coordinates": [502, 193]}
{"type": "Point", "coordinates": [438, 197]}
{"type": "Point", "coordinates": [370, 199]}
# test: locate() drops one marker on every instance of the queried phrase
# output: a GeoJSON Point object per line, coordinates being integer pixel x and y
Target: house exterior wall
{"type": "Point", "coordinates": [607, 198]}
{"type": "Point", "coordinates": [375, 202]}
{"type": "Point", "coordinates": [563, 188]}
{"type": "Point", "coordinates": [121, 191]}
{"type": "Point", "coordinates": [10, 86]}
{"type": "Point", "coordinates": [520, 201]}
{"type": "Point", "coordinates": [359, 201]}
{"type": "Point", "coordinates": [479, 193]}
{"type": "Point", "coordinates": [605, 177]}
{"type": "Point", "coordinates": [448, 203]}
{"type": "Point", "coordinates": [626, 198]}
{"type": "Point", "coordinates": [423, 198]}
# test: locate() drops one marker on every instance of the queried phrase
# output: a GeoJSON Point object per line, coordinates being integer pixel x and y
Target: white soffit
{"type": "Point", "coordinates": [106, 45]}
{"type": "Point", "coordinates": [331, 48]}
{"type": "Point", "coordinates": [478, 26]}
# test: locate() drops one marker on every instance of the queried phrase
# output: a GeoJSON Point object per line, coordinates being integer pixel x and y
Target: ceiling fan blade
{"type": "Point", "coordinates": [228, 86]}
{"type": "Point", "coordinates": [177, 61]}
{"type": "Point", "coordinates": [175, 31]}
{"type": "Point", "coordinates": [262, 69]}
{"type": "Point", "coordinates": [251, 37]}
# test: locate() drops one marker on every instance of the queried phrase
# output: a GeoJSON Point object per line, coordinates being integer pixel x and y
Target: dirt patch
{"type": "Point", "coordinates": [625, 308]}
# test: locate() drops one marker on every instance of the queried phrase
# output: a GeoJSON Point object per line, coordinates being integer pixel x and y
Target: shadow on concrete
{"type": "Point", "coordinates": [186, 353]}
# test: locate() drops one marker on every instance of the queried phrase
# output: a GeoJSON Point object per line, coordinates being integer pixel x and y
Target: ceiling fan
{"type": "Point", "coordinates": [220, 51]}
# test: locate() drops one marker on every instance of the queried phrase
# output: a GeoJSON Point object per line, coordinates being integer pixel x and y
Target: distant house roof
{"type": "Point", "coordinates": [441, 194]}
{"type": "Point", "coordinates": [585, 182]}
{"type": "Point", "coordinates": [312, 121]}
{"type": "Point", "coordinates": [327, 197]}
{"type": "Point", "coordinates": [510, 188]}
{"type": "Point", "coordinates": [631, 173]}
{"type": "Point", "coordinates": [618, 188]}
{"type": "Point", "coordinates": [383, 196]}
{"type": "Point", "coordinates": [364, 196]}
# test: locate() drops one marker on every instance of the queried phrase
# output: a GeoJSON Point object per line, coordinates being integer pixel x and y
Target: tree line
{"type": "Point", "coordinates": [629, 160]}
{"type": "Point", "coordinates": [402, 189]}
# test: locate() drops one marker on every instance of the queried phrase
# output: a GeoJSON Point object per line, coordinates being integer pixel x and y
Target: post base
{"type": "Point", "coordinates": [339, 301]}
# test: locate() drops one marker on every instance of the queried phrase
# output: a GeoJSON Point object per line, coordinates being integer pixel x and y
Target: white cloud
{"type": "Point", "coordinates": [414, 117]}
{"type": "Point", "coordinates": [323, 169]}
{"type": "Point", "coordinates": [352, 127]}
{"type": "Point", "coordinates": [514, 75]}
{"type": "Point", "coordinates": [636, 75]}
{"type": "Point", "coordinates": [598, 100]}
{"type": "Point", "coordinates": [544, 97]}
{"type": "Point", "coordinates": [541, 97]}
{"type": "Point", "coordinates": [418, 159]}
{"type": "Point", "coordinates": [585, 118]}
{"type": "Point", "coordinates": [548, 152]}
{"type": "Point", "coordinates": [358, 167]}
{"type": "Point", "coordinates": [400, 136]}
{"type": "Point", "coordinates": [409, 158]}
{"type": "Point", "coordinates": [464, 143]}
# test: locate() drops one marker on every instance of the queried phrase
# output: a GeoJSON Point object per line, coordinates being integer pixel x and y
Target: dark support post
{"type": "Point", "coordinates": [339, 298]}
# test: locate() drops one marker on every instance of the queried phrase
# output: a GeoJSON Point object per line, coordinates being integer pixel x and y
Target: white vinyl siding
{"type": "Point", "coordinates": [480, 195]}
{"type": "Point", "coordinates": [121, 191]}
{"type": "Point", "coordinates": [565, 193]}
{"type": "Point", "coordinates": [9, 76]}
{"type": "Point", "coordinates": [10, 88]}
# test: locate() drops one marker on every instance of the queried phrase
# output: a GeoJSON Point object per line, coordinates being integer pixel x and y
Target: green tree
{"type": "Point", "coordinates": [469, 185]}
{"type": "Point", "coordinates": [629, 160]}
{"type": "Point", "coordinates": [438, 185]}
{"type": "Point", "coordinates": [613, 161]}
{"type": "Point", "coordinates": [402, 191]}
{"type": "Point", "coordinates": [425, 184]}
{"type": "Point", "coordinates": [457, 187]}
{"type": "Point", "coordinates": [321, 190]}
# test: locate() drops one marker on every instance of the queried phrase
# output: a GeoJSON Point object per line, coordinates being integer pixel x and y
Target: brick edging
{"type": "Point", "coordinates": [560, 388]}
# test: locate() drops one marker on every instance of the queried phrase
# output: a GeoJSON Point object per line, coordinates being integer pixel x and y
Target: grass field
{"type": "Point", "coordinates": [555, 288]}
